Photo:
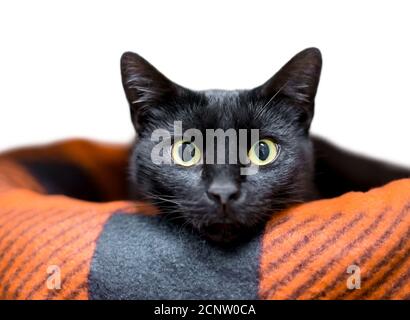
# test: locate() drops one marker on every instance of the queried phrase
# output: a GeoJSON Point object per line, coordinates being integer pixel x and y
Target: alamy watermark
{"type": "Point", "coordinates": [54, 278]}
{"type": "Point", "coordinates": [214, 144]}
{"type": "Point", "coordinates": [354, 281]}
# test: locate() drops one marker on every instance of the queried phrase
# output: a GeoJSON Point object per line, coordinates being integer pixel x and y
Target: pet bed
{"type": "Point", "coordinates": [65, 233]}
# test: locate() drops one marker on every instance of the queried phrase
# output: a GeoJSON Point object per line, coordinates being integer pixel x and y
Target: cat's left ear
{"type": "Point", "coordinates": [144, 86]}
{"type": "Point", "coordinates": [297, 80]}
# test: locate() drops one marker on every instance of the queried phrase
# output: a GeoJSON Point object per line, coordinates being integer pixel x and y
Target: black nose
{"type": "Point", "coordinates": [223, 192]}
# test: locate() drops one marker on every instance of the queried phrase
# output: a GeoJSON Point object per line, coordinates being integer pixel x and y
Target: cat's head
{"type": "Point", "coordinates": [219, 200]}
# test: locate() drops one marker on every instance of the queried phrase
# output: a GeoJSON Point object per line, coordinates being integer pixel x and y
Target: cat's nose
{"type": "Point", "coordinates": [223, 191]}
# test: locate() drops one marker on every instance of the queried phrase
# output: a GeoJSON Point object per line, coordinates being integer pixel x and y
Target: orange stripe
{"type": "Point", "coordinates": [396, 282]}
{"type": "Point", "coordinates": [16, 248]}
{"type": "Point", "coordinates": [33, 287]}
{"type": "Point", "coordinates": [376, 239]}
{"type": "Point", "coordinates": [370, 261]}
{"type": "Point", "coordinates": [69, 256]}
{"type": "Point", "coordinates": [386, 267]}
{"type": "Point", "coordinates": [325, 273]}
{"type": "Point", "coordinates": [323, 251]}
{"type": "Point", "coordinates": [404, 291]}
{"type": "Point", "coordinates": [307, 258]}
{"type": "Point", "coordinates": [42, 245]}
{"type": "Point", "coordinates": [75, 293]}
{"type": "Point", "coordinates": [15, 176]}
{"type": "Point", "coordinates": [319, 270]}
{"type": "Point", "coordinates": [272, 274]}
{"type": "Point", "coordinates": [286, 235]}
{"type": "Point", "coordinates": [100, 212]}
{"type": "Point", "coordinates": [12, 220]}
{"type": "Point", "coordinates": [59, 256]}
{"type": "Point", "coordinates": [270, 254]}
{"type": "Point", "coordinates": [73, 278]}
{"type": "Point", "coordinates": [22, 227]}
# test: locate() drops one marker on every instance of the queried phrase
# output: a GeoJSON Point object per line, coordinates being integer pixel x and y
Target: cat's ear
{"type": "Point", "coordinates": [297, 80]}
{"type": "Point", "coordinates": [143, 84]}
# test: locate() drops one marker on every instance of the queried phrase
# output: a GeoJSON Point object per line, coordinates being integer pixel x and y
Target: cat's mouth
{"type": "Point", "coordinates": [223, 232]}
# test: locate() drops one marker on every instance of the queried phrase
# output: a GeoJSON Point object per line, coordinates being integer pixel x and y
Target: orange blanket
{"type": "Point", "coordinates": [304, 253]}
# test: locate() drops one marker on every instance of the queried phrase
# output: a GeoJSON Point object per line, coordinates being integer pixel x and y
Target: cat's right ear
{"type": "Point", "coordinates": [143, 84]}
{"type": "Point", "coordinates": [297, 81]}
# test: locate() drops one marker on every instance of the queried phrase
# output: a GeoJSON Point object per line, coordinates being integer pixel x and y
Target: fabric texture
{"type": "Point", "coordinates": [62, 205]}
{"type": "Point", "coordinates": [142, 257]}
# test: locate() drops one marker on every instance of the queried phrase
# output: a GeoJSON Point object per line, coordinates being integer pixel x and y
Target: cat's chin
{"type": "Point", "coordinates": [225, 233]}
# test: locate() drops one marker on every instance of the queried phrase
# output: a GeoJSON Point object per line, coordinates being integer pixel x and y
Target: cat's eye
{"type": "Point", "coordinates": [185, 153]}
{"type": "Point", "coordinates": [263, 152]}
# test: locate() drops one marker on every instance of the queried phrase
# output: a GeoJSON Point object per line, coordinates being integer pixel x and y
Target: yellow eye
{"type": "Point", "coordinates": [263, 152]}
{"type": "Point", "coordinates": [185, 153]}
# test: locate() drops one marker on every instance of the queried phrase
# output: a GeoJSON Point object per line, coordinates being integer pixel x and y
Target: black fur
{"type": "Point", "coordinates": [282, 109]}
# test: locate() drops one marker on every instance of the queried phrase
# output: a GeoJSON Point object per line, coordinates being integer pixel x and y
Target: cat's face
{"type": "Point", "coordinates": [218, 199]}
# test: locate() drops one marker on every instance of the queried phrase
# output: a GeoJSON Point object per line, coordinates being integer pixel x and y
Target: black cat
{"type": "Point", "coordinates": [216, 199]}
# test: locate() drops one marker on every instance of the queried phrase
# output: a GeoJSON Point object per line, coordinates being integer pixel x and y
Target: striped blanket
{"type": "Point", "coordinates": [67, 233]}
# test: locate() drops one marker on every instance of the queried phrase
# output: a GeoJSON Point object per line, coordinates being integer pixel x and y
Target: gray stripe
{"type": "Point", "coordinates": [141, 257]}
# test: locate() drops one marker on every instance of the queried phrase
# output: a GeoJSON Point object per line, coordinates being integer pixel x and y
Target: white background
{"type": "Point", "coordinates": [59, 63]}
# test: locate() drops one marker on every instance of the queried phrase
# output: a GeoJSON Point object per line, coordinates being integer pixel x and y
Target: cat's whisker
{"type": "Point", "coordinates": [259, 112]}
{"type": "Point", "coordinates": [154, 197]}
